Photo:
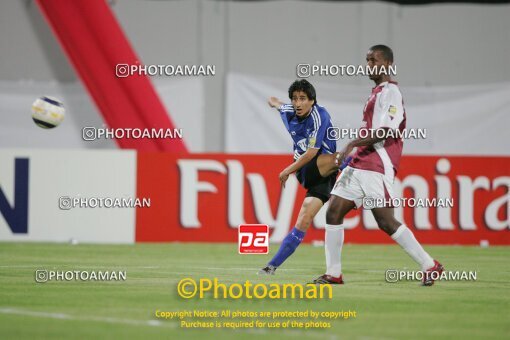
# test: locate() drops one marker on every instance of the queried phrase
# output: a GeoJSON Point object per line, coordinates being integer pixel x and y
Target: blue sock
{"type": "Point", "coordinates": [288, 246]}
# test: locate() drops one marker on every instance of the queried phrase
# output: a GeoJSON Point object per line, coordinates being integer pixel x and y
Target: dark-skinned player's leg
{"type": "Point", "coordinates": [334, 239]}
{"type": "Point", "coordinates": [399, 232]}
{"type": "Point", "coordinates": [386, 220]}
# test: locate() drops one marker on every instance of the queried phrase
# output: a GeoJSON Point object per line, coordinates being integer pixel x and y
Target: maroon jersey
{"type": "Point", "coordinates": [384, 109]}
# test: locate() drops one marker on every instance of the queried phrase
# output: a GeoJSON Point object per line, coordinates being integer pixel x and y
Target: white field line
{"type": "Point", "coordinates": [61, 316]}
{"type": "Point", "coordinates": [310, 333]}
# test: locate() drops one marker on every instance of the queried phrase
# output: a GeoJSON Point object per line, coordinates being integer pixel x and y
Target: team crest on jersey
{"type": "Point", "coordinates": [311, 142]}
{"type": "Point", "coordinates": [392, 111]}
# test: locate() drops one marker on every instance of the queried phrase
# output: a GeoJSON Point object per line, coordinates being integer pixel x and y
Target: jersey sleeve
{"type": "Point", "coordinates": [286, 113]}
{"type": "Point", "coordinates": [286, 110]}
{"type": "Point", "coordinates": [392, 110]}
{"type": "Point", "coordinates": [320, 119]}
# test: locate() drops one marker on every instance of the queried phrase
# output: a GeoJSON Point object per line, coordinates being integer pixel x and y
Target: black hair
{"type": "Point", "coordinates": [385, 50]}
{"type": "Point", "coordinates": [303, 85]}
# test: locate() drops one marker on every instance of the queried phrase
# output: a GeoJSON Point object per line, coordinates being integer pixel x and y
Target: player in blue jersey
{"type": "Point", "coordinates": [314, 163]}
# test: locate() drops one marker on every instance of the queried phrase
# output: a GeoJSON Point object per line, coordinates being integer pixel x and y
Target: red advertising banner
{"type": "Point", "coordinates": [205, 197]}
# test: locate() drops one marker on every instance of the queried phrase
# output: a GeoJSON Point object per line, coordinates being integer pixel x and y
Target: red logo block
{"type": "Point", "coordinates": [253, 239]}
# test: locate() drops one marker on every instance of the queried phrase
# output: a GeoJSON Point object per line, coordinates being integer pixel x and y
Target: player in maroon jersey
{"type": "Point", "coordinates": [368, 179]}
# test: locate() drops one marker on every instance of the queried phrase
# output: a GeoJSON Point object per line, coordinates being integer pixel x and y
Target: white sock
{"type": "Point", "coordinates": [405, 238]}
{"type": "Point", "coordinates": [333, 248]}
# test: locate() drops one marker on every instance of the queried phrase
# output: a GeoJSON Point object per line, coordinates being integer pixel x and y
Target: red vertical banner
{"type": "Point", "coordinates": [95, 44]}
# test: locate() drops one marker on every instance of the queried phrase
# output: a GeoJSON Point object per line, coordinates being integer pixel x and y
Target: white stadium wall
{"type": "Point", "coordinates": [456, 120]}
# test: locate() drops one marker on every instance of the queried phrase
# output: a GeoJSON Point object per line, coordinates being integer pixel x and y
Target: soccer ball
{"type": "Point", "coordinates": [47, 112]}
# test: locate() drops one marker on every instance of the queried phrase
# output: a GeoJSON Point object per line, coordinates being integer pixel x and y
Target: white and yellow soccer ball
{"type": "Point", "coordinates": [48, 112]}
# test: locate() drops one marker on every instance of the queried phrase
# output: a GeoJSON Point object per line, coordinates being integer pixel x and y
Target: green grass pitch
{"type": "Point", "coordinates": [115, 310]}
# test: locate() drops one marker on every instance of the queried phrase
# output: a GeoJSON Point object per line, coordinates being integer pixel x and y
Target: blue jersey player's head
{"type": "Point", "coordinates": [303, 97]}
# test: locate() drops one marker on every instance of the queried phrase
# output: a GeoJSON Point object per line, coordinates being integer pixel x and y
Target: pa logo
{"type": "Point", "coordinates": [253, 239]}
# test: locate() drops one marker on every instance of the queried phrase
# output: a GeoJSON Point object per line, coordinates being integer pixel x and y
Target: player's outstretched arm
{"type": "Point", "coordinates": [275, 102]}
{"type": "Point", "coordinates": [298, 164]}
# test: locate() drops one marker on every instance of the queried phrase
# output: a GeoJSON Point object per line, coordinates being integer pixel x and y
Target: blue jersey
{"type": "Point", "coordinates": [310, 132]}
